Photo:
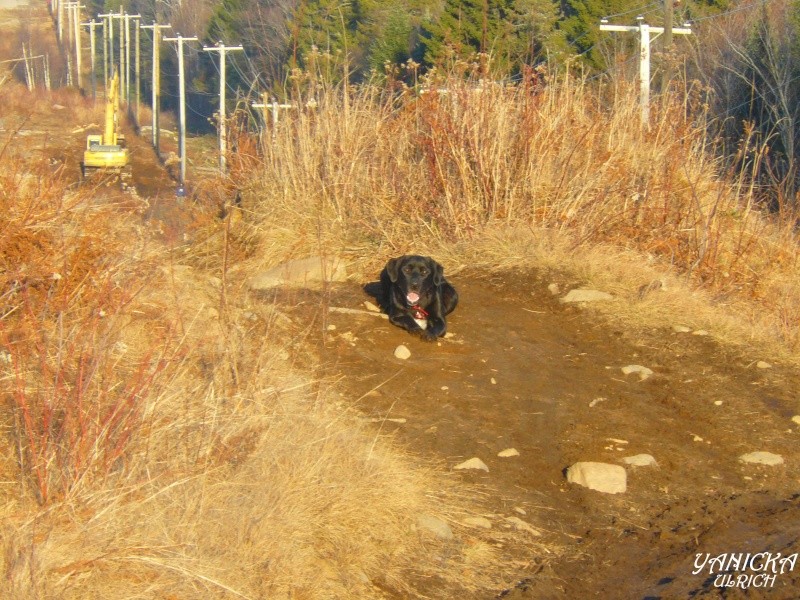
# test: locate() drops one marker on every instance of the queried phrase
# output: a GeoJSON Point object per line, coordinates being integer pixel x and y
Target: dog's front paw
{"type": "Point", "coordinates": [428, 335]}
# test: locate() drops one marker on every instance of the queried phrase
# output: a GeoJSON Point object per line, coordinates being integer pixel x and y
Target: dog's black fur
{"type": "Point", "coordinates": [423, 276]}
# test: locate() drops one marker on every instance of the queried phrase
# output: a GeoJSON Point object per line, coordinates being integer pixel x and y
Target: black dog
{"type": "Point", "coordinates": [413, 290]}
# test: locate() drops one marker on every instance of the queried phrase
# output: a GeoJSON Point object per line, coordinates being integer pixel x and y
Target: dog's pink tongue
{"type": "Point", "coordinates": [412, 297]}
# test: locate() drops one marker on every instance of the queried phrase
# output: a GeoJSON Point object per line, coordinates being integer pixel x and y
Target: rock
{"type": "Point", "coordinates": [554, 289]}
{"type": "Point", "coordinates": [435, 526]}
{"type": "Point", "coordinates": [796, 419]}
{"type": "Point", "coordinates": [304, 272]}
{"type": "Point", "coordinates": [521, 525]}
{"type": "Point", "coordinates": [643, 372]}
{"type": "Point", "coordinates": [508, 452]}
{"type": "Point", "coordinates": [581, 295]}
{"type": "Point", "coordinates": [472, 463]}
{"type": "Point", "coordinates": [601, 477]}
{"type": "Point", "coordinates": [640, 460]}
{"type": "Point", "coordinates": [681, 329]}
{"type": "Point", "coordinates": [481, 522]}
{"type": "Point", "coordinates": [763, 365]}
{"type": "Point", "coordinates": [402, 352]}
{"type": "Point", "coordinates": [493, 381]}
{"type": "Point", "coordinates": [762, 458]}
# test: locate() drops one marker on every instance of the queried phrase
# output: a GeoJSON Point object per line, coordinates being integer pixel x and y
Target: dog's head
{"type": "Point", "coordinates": [417, 276]}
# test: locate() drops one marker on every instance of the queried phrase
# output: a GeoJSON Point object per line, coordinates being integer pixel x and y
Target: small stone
{"type": "Point", "coordinates": [554, 289]}
{"type": "Point", "coordinates": [717, 402]}
{"type": "Point", "coordinates": [494, 381]}
{"type": "Point", "coordinates": [581, 295]}
{"type": "Point", "coordinates": [444, 388]}
{"type": "Point", "coordinates": [601, 477]}
{"type": "Point", "coordinates": [763, 365]}
{"type": "Point", "coordinates": [700, 332]}
{"type": "Point", "coordinates": [521, 525]}
{"type": "Point", "coordinates": [481, 522]}
{"type": "Point", "coordinates": [331, 327]}
{"type": "Point", "coordinates": [472, 463]}
{"type": "Point", "coordinates": [643, 372]}
{"type": "Point", "coordinates": [508, 452]}
{"type": "Point", "coordinates": [371, 307]}
{"type": "Point", "coordinates": [402, 352]}
{"type": "Point", "coordinates": [762, 458]}
{"type": "Point", "coordinates": [796, 419]}
{"type": "Point", "coordinates": [681, 329]}
{"type": "Point", "coordinates": [640, 460]}
{"type": "Point", "coordinates": [435, 526]}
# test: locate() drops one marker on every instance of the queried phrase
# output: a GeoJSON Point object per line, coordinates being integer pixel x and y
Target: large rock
{"type": "Point", "coordinates": [602, 477]}
{"type": "Point", "coordinates": [762, 458]}
{"type": "Point", "coordinates": [435, 526]}
{"type": "Point", "coordinates": [582, 295]}
{"type": "Point", "coordinates": [304, 272]}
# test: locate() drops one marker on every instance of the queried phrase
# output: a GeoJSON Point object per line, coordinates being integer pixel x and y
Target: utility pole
{"type": "Point", "coordinates": [274, 108]}
{"type": "Point", "coordinates": [644, 31]}
{"type": "Point", "coordinates": [108, 46]}
{"type": "Point", "coordinates": [91, 25]}
{"type": "Point", "coordinates": [137, 68]}
{"type": "Point", "coordinates": [60, 13]}
{"type": "Point", "coordinates": [666, 74]}
{"type": "Point", "coordinates": [76, 23]}
{"type": "Point", "coordinates": [223, 136]}
{"type": "Point", "coordinates": [121, 68]}
{"type": "Point", "coordinates": [182, 101]}
{"type": "Point", "coordinates": [127, 86]}
{"type": "Point", "coordinates": [156, 78]}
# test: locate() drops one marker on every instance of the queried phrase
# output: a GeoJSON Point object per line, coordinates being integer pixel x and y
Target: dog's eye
{"type": "Point", "coordinates": [423, 271]}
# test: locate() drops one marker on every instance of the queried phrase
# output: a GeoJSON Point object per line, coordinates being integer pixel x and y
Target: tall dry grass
{"type": "Point", "coordinates": [159, 442]}
{"type": "Point", "coordinates": [565, 165]}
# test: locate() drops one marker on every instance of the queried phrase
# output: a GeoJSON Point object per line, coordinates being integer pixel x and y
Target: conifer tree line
{"type": "Point", "coordinates": [745, 55]}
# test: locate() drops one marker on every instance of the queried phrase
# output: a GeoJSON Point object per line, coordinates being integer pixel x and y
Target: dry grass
{"type": "Point", "coordinates": [547, 175]}
{"type": "Point", "coordinates": [159, 443]}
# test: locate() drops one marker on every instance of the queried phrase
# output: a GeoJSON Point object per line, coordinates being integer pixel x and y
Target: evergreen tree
{"type": "Point", "coordinates": [512, 32]}
{"type": "Point", "coordinates": [329, 26]}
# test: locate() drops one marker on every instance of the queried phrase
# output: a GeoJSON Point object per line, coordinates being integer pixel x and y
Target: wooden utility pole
{"type": "Point", "coordinates": [666, 73]}
{"type": "Point", "coordinates": [644, 31]}
{"type": "Point", "coordinates": [156, 78]}
{"type": "Point", "coordinates": [60, 13]}
{"type": "Point", "coordinates": [127, 86]}
{"type": "Point", "coordinates": [274, 108]}
{"type": "Point", "coordinates": [182, 101]}
{"type": "Point", "coordinates": [76, 24]}
{"type": "Point", "coordinates": [108, 46]}
{"type": "Point", "coordinates": [92, 43]}
{"type": "Point", "coordinates": [223, 135]}
{"type": "Point", "coordinates": [121, 68]}
{"type": "Point", "coordinates": [137, 68]}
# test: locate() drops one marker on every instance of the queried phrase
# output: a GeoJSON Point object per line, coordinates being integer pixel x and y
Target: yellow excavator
{"type": "Point", "coordinates": [105, 151]}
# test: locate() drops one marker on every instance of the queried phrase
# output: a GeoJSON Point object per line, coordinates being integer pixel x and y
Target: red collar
{"type": "Point", "coordinates": [418, 312]}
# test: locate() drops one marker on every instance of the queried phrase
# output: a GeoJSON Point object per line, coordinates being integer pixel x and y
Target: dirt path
{"type": "Point", "coordinates": [526, 372]}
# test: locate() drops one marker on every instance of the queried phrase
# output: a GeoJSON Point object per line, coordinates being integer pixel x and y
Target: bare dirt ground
{"type": "Point", "coordinates": [524, 371]}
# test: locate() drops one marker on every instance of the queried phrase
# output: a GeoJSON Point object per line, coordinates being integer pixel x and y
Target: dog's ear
{"type": "Point", "coordinates": [438, 272]}
{"type": "Point", "coordinates": [392, 269]}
